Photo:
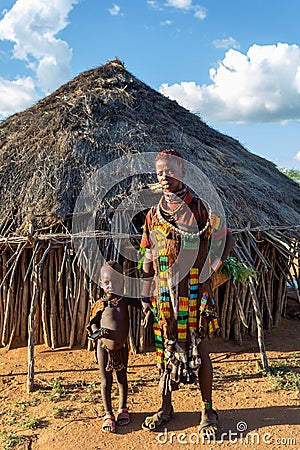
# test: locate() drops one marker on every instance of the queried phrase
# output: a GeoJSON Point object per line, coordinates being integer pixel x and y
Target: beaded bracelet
{"type": "Point", "coordinates": [207, 405]}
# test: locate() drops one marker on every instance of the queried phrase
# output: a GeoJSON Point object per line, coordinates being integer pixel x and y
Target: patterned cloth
{"type": "Point", "coordinates": [183, 305]}
{"type": "Point", "coordinates": [117, 359]}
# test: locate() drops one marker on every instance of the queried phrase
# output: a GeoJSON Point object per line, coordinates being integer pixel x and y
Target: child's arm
{"type": "Point", "coordinates": [94, 328]}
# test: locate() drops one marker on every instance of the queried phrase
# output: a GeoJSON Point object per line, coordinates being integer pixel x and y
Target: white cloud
{"type": "Point", "coordinates": [16, 95]}
{"type": "Point", "coordinates": [115, 11]}
{"type": "Point", "coordinates": [166, 22]}
{"type": "Point", "coordinates": [181, 4]}
{"type": "Point", "coordinates": [297, 156]}
{"type": "Point", "coordinates": [52, 72]}
{"type": "Point", "coordinates": [226, 43]}
{"type": "Point", "coordinates": [32, 26]}
{"type": "Point", "coordinates": [261, 86]}
{"type": "Point", "coordinates": [199, 11]}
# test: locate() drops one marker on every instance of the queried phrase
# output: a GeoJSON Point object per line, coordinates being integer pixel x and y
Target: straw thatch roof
{"type": "Point", "coordinates": [49, 150]}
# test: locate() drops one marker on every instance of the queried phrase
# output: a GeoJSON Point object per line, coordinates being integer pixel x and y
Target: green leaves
{"type": "Point", "coordinates": [237, 271]}
{"type": "Point", "coordinates": [141, 260]}
{"type": "Point", "coordinates": [294, 174]}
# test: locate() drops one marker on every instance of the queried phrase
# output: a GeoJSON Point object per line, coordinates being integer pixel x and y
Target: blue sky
{"type": "Point", "coordinates": [235, 63]}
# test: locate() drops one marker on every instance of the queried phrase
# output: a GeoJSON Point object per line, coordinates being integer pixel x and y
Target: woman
{"type": "Point", "coordinates": [177, 238]}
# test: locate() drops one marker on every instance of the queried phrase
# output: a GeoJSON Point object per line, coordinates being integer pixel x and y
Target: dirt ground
{"type": "Point", "coordinates": [65, 410]}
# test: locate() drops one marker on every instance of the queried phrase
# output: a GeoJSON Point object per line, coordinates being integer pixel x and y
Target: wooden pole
{"type": "Point", "coordinates": [260, 331]}
{"type": "Point", "coordinates": [226, 300]}
{"type": "Point", "coordinates": [52, 295]}
{"type": "Point", "coordinates": [61, 299]}
{"type": "Point", "coordinates": [5, 299]}
{"type": "Point", "coordinates": [2, 305]}
{"type": "Point", "coordinates": [35, 289]}
{"type": "Point", "coordinates": [45, 309]}
{"type": "Point", "coordinates": [25, 298]}
{"type": "Point", "coordinates": [12, 293]}
{"type": "Point", "coordinates": [74, 315]}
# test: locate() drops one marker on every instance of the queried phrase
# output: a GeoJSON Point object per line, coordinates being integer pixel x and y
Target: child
{"type": "Point", "coordinates": [109, 327]}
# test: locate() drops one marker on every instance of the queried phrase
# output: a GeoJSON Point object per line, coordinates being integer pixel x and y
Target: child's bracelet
{"type": "Point", "coordinates": [103, 331]}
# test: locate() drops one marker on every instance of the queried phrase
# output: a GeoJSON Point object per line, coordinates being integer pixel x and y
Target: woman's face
{"type": "Point", "coordinates": [169, 174]}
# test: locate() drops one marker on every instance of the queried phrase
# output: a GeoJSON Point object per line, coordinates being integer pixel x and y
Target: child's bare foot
{"type": "Point", "coordinates": [109, 424]}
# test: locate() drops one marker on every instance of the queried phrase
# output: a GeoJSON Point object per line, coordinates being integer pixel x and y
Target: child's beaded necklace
{"type": "Point", "coordinates": [114, 302]}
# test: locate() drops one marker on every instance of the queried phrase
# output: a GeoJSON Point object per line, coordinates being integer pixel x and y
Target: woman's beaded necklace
{"type": "Point", "coordinates": [171, 212]}
{"type": "Point", "coordinates": [184, 234]}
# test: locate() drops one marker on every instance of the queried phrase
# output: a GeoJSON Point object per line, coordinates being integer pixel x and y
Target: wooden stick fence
{"type": "Point", "coordinates": [45, 295]}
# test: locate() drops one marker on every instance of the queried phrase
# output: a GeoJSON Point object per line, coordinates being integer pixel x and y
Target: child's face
{"type": "Point", "coordinates": [111, 281]}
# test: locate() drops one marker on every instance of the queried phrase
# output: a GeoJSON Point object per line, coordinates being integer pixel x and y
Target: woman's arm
{"type": "Point", "coordinates": [146, 292]}
{"type": "Point", "coordinates": [229, 244]}
{"type": "Point", "coordinates": [148, 273]}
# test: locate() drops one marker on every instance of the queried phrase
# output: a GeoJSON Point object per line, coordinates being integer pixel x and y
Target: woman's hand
{"type": "Point", "coordinates": [148, 320]}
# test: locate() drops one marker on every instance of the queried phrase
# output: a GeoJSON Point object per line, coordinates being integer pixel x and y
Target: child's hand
{"type": "Point", "coordinates": [102, 332]}
{"type": "Point", "coordinates": [148, 320]}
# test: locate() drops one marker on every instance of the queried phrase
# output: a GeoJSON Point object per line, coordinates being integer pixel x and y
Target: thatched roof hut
{"type": "Point", "coordinates": [49, 151]}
